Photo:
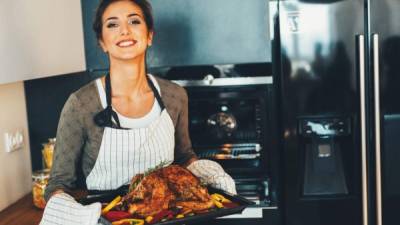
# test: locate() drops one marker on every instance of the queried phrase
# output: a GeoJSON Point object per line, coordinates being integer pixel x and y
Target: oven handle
{"type": "Point", "coordinates": [210, 81]}
{"type": "Point", "coordinates": [361, 69]}
{"type": "Point", "coordinates": [375, 54]}
{"type": "Point", "coordinates": [250, 213]}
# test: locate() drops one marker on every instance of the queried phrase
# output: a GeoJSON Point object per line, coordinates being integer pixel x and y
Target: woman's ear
{"type": "Point", "coordinates": [103, 46]}
{"type": "Point", "coordinates": [150, 38]}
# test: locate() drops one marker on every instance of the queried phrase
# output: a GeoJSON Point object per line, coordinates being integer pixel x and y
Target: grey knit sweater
{"type": "Point", "coordinates": [79, 138]}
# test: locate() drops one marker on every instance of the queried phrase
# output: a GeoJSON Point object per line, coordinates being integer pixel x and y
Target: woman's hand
{"type": "Point", "coordinates": [213, 174]}
{"type": "Point", "coordinates": [63, 209]}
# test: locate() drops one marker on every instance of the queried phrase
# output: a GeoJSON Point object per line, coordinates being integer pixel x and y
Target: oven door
{"type": "Point", "coordinates": [227, 124]}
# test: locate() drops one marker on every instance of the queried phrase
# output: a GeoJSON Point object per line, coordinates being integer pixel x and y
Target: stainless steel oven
{"type": "Point", "coordinates": [231, 122]}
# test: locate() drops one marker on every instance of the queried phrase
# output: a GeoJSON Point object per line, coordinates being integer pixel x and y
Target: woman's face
{"type": "Point", "coordinates": [125, 34]}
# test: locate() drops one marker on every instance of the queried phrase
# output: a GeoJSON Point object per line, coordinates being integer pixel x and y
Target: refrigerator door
{"type": "Point", "coordinates": [385, 56]}
{"type": "Point", "coordinates": [321, 59]}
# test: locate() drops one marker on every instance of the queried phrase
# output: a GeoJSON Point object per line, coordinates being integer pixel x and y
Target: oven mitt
{"type": "Point", "coordinates": [211, 173]}
{"type": "Point", "coordinates": [63, 209]}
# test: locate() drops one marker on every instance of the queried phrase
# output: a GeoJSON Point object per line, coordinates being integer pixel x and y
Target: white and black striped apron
{"type": "Point", "coordinates": [126, 152]}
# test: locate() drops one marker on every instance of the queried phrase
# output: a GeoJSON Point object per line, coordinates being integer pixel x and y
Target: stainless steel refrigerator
{"type": "Point", "coordinates": [336, 66]}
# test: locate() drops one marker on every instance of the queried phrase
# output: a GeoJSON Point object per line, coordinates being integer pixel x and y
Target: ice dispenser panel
{"type": "Point", "coordinates": [323, 163]}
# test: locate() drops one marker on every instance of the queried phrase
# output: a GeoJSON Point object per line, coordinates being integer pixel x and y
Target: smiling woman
{"type": "Point", "coordinates": [123, 123]}
{"type": "Point", "coordinates": [125, 34]}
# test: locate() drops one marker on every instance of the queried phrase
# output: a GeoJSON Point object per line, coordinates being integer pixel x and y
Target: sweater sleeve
{"type": "Point", "coordinates": [183, 146]}
{"type": "Point", "coordinates": [69, 142]}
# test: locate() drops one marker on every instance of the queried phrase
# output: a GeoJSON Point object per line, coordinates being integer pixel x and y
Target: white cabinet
{"type": "Point", "coordinates": [40, 38]}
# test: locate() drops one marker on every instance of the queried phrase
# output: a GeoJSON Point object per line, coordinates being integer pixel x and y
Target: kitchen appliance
{"type": "Point", "coordinates": [338, 61]}
{"type": "Point", "coordinates": [230, 121]}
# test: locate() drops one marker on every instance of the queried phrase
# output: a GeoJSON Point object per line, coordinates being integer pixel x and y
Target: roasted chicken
{"type": "Point", "coordinates": [164, 188]}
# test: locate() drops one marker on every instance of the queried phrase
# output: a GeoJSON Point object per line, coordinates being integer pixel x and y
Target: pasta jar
{"type": "Point", "coordinates": [47, 153]}
{"type": "Point", "coordinates": [39, 184]}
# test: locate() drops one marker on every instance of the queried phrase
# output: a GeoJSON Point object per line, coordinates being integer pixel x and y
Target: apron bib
{"type": "Point", "coordinates": [126, 152]}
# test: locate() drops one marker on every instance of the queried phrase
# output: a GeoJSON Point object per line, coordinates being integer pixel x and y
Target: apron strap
{"type": "Point", "coordinates": [156, 94]}
{"type": "Point", "coordinates": [111, 113]}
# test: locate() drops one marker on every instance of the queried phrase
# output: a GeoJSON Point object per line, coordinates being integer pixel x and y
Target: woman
{"type": "Point", "coordinates": [123, 123]}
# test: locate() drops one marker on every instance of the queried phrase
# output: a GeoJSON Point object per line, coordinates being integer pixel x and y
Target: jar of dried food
{"type": "Point", "coordinates": [39, 184]}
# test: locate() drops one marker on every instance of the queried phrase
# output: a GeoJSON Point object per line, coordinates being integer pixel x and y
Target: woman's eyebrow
{"type": "Point", "coordinates": [111, 18]}
{"type": "Point", "coordinates": [115, 18]}
{"type": "Point", "coordinates": [133, 14]}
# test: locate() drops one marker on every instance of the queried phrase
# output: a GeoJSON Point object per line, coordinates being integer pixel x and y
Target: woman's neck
{"type": "Point", "coordinates": [128, 79]}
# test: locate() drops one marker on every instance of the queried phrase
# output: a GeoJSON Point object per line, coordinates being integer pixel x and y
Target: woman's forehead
{"type": "Point", "coordinates": [122, 9]}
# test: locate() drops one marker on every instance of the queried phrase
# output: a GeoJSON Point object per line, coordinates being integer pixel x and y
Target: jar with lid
{"type": "Point", "coordinates": [39, 184]}
{"type": "Point", "coordinates": [47, 153]}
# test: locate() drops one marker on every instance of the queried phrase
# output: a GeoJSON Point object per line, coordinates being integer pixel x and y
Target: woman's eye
{"type": "Point", "coordinates": [112, 25]}
{"type": "Point", "coordinates": [134, 21]}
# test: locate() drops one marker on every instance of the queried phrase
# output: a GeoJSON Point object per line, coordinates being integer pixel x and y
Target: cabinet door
{"type": "Point", "coordinates": [40, 38]}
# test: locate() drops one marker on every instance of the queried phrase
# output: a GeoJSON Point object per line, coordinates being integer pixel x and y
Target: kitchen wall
{"type": "Point", "coordinates": [55, 33]}
{"type": "Point", "coordinates": [15, 167]}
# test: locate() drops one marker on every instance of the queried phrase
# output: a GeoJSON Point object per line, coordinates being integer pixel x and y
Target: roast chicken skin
{"type": "Point", "coordinates": [165, 188]}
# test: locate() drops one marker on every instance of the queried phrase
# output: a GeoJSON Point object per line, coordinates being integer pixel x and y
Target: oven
{"type": "Point", "coordinates": [231, 122]}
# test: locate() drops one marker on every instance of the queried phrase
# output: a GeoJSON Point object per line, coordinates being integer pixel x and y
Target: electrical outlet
{"type": "Point", "coordinates": [13, 140]}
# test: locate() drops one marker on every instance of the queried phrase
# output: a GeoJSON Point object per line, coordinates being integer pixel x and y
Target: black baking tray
{"type": "Point", "coordinates": [241, 201]}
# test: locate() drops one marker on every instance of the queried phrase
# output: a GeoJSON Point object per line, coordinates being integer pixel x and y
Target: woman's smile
{"type": "Point", "coordinates": [126, 43]}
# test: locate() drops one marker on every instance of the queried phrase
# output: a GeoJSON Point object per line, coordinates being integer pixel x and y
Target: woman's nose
{"type": "Point", "coordinates": [124, 29]}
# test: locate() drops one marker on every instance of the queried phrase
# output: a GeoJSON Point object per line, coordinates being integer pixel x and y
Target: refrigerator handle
{"type": "Point", "coordinates": [375, 55]}
{"type": "Point", "coordinates": [361, 68]}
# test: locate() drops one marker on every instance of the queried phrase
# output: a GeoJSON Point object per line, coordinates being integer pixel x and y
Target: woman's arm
{"type": "Point", "coordinates": [187, 163]}
{"type": "Point", "coordinates": [184, 153]}
{"type": "Point", "coordinates": [61, 207]}
{"type": "Point", "coordinates": [69, 142]}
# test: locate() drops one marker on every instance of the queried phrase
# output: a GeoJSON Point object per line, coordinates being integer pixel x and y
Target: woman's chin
{"type": "Point", "coordinates": [129, 57]}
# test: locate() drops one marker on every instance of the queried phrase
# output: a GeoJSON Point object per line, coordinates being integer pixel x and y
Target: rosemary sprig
{"type": "Point", "coordinates": [133, 185]}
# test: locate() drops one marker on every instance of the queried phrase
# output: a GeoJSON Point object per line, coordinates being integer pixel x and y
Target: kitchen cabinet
{"type": "Point", "coordinates": [192, 32]}
{"type": "Point", "coordinates": [40, 38]}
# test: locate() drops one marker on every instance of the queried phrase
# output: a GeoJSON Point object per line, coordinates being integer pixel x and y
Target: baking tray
{"type": "Point", "coordinates": [106, 197]}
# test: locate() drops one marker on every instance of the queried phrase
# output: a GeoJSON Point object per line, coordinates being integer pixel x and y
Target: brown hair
{"type": "Point", "coordinates": [143, 4]}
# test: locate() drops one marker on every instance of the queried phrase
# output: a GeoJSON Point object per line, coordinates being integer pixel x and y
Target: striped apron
{"type": "Point", "coordinates": [126, 152]}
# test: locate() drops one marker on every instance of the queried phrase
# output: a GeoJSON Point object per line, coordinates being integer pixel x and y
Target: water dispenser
{"type": "Point", "coordinates": [324, 172]}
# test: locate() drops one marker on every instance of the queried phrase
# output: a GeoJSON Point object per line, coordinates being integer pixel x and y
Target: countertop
{"type": "Point", "coordinates": [23, 212]}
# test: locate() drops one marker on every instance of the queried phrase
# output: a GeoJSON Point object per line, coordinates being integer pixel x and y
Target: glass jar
{"type": "Point", "coordinates": [39, 184]}
{"type": "Point", "coordinates": [47, 153]}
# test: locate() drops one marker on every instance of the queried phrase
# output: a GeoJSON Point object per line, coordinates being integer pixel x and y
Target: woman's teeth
{"type": "Point", "coordinates": [125, 43]}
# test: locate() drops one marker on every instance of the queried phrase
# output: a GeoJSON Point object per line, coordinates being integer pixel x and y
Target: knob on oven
{"type": "Point", "coordinates": [222, 123]}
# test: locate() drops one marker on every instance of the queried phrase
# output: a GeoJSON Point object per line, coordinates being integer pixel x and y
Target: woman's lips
{"type": "Point", "coordinates": [126, 43]}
